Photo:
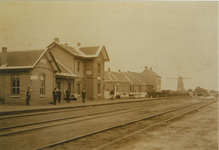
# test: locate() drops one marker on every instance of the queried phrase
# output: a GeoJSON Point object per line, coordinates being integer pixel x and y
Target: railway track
{"type": "Point", "coordinates": [15, 133]}
{"type": "Point", "coordinates": [7, 130]}
{"type": "Point", "coordinates": [119, 132]}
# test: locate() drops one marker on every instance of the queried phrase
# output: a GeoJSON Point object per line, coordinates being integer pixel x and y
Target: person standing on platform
{"type": "Point", "coordinates": [59, 95]}
{"type": "Point", "coordinates": [28, 96]}
{"type": "Point", "coordinates": [55, 95]}
{"type": "Point", "coordinates": [83, 95]}
{"type": "Point", "coordinates": [67, 93]}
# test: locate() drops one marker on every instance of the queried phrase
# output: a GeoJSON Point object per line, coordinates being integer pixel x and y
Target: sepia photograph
{"type": "Point", "coordinates": [109, 75]}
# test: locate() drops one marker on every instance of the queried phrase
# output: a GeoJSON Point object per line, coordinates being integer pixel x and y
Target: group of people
{"type": "Point", "coordinates": [56, 95]}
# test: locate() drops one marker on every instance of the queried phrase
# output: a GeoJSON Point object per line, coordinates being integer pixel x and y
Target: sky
{"type": "Point", "coordinates": [163, 35]}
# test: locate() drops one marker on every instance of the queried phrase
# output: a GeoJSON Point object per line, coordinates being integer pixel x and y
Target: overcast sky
{"type": "Point", "coordinates": [161, 35]}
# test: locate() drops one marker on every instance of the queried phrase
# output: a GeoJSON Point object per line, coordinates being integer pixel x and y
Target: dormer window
{"type": "Point", "coordinates": [78, 66]}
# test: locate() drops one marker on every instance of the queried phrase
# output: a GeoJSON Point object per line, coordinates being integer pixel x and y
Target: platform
{"type": "Point", "coordinates": [6, 109]}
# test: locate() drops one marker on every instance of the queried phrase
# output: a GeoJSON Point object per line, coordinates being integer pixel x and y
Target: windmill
{"type": "Point", "coordinates": [180, 85]}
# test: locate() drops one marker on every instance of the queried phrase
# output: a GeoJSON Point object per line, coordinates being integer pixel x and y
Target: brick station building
{"type": "Point", "coordinates": [58, 65]}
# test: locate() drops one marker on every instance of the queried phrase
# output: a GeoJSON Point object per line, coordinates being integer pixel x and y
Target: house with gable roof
{"type": "Point", "coordinates": [22, 69]}
{"type": "Point", "coordinates": [153, 77]}
{"type": "Point", "coordinates": [58, 66]}
{"type": "Point", "coordinates": [86, 66]}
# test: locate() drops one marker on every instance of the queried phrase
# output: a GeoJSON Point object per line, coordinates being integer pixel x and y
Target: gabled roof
{"type": "Point", "coordinates": [141, 78]}
{"type": "Point", "coordinates": [154, 73]}
{"type": "Point", "coordinates": [115, 76]}
{"type": "Point", "coordinates": [84, 52]}
{"type": "Point", "coordinates": [74, 51]}
{"type": "Point", "coordinates": [27, 59]}
{"type": "Point", "coordinates": [151, 72]}
{"type": "Point", "coordinates": [134, 79]}
{"type": "Point", "coordinates": [89, 50]}
{"type": "Point", "coordinates": [22, 58]}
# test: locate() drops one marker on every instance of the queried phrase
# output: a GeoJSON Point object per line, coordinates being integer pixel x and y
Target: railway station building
{"type": "Point", "coordinates": [57, 66]}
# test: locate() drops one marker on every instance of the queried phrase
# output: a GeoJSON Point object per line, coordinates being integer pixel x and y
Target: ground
{"type": "Point", "coordinates": [195, 131]}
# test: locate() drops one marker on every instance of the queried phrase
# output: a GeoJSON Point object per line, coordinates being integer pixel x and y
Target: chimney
{"type": "Point", "coordinates": [56, 40]}
{"type": "Point", "coordinates": [109, 69]}
{"type": "Point", "coordinates": [151, 68]}
{"type": "Point", "coordinates": [78, 44]}
{"type": "Point", "coordinates": [146, 67]}
{"type": "Point", "coordinates": [4, 55]}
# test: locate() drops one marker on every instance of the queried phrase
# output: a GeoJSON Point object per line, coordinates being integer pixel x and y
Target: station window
{"type": "Point", "coordinates": [79, 88]}
{"type": "Point", "coordinates": [98, 89]}
{"type": "Point", "coordinates": [42, 85]}
{"type": "Point", "coordinates": [98, 68]}
{"type": "Point", "coordinates": [15, 84]}
{"type": "Point", "coordinates": [78, 66]}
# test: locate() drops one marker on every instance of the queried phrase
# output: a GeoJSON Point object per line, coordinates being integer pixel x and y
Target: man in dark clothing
{"type": "Point", "coordinates": [28, 97]}
{"type": "Point", "coordinates": [83, 95]}
{"type": "Point", "coordinates": [59, 95]}
{"type": "Point", "coordinates": [55, 94]}
{"type": "Point", "coordinates": [67, 93]}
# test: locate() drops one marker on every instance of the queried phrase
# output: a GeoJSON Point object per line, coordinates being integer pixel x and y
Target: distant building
{"type": "Point", "coordinates": [116, 81]}
{"type": "Point", "coordinates": [124, 83]}
{"type": "Point", "coordinates": [139, 83]}
{"type": "Point", "coordinates": [59, 65]}
{"type": "Point", "coordinates": [154, 78]}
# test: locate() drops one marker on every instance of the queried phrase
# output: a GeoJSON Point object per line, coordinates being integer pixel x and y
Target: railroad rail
{"type": "Point", "coordinates": [65, 120]}
{"type": "Point", "coordinates": [191, 107]}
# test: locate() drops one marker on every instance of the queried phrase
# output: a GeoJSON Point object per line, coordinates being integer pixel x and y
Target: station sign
{"type": "Point", "coordinates": [88, 72]}
{"type": "Point", "coordinates": [33, 77]}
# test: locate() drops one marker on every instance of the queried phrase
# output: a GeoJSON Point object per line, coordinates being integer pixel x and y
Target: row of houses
{"type": "Point", "coordinates": [63, 66]}
{"type": "Point", "coordinates": [132, 83]}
